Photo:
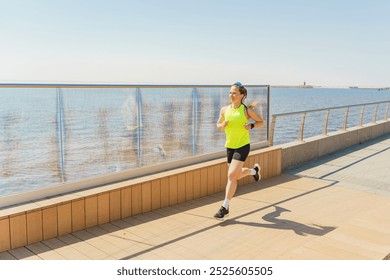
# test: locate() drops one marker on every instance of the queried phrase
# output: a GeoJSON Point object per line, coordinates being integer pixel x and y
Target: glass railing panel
{"type": "Point", "coordinates": [51, 136]}
{"type": "Point", "coordinates": [29, 153]}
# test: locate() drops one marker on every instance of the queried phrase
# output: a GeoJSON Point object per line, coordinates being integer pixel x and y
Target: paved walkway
{"type": "Point", "coordinates": [336, 207]}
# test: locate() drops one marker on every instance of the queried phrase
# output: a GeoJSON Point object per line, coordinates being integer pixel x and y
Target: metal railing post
{"type": "Point", "coordinates": [326, 121]}
{"type": "Point", "coordinates": [139, 131]}
{"type": "Point", "coordinates": [302, 127]}
{"type": "Point", "coordinates": [61, 138]}
{"type": "Point", "coordinates": [272, 130]}
{"type": "Point", "coordinates": [194, 119]}
{"type": "Point", "coordinates": [375, 113]}
{"type": "Point", "coordinates": [345, 118]}
{"type": "Point", "coordinates": [386, 111]}
{"type": "Point", "coordinates": [268, 111]}
{"type": "Point", "coordinates": [361, 115]}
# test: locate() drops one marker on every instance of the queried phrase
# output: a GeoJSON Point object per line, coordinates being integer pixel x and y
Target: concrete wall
{"type": "Point", "coordinates": [296, 153]}
{"type": "Point", "coordinates": [39, 220]}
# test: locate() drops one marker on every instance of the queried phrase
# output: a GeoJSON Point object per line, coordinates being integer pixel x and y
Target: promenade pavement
{"type": "Point", "coordinates": [333, 208]}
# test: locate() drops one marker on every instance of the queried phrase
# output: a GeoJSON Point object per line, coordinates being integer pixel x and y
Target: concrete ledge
{"type": "Point", "coordinates": [328, 145]}
{"type": "Point", "coordinates": [296, 153]}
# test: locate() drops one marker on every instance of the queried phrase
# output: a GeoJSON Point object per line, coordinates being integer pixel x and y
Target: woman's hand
{"type": "Point", "coordinates": [224, 124]}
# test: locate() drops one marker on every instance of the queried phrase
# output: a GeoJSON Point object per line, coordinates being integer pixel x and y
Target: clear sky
{"type": "Point", "coordinates": [281, 42]}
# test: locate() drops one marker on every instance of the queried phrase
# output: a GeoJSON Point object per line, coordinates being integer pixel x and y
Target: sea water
{"type": "Point", "coordinates": [51, 136]}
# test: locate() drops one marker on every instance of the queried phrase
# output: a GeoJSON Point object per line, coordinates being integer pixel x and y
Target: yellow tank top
{"type": "Point", "coordinates": [236, 134]}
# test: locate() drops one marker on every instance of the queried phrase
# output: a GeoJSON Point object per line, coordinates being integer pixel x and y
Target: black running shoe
{"type": "Point", "coordinates": [257, 176]}
{"type": "Point", "coordinates": [222, 212]}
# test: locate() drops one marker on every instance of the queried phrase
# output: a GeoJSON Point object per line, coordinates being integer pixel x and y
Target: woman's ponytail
{"type": "Point", "coordinates": [243, 91]}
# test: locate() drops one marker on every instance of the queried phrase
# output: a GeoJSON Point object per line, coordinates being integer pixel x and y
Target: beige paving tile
{"type": "Point", "coordinates": [167, 254]}
{"type": "Point", "coordinates": [137, 250]}
{"type": "Point", "coordinates": [98, 242]}
{"type": "Point", "coordinates": [23, 253]}
{"type": "Point", "coordinates": [86, 249]}
{"type": "Point", "coordinates": [306, 253]}
{"type": "Point", "coordinates": [65, 250]}
{"type": "Point", "coordinates": [120, 239]}
{"type": "Point", "coordinates": [354, 249]}
{"type": "Point", "coordinates": [6, 256]}
{"type": "Point", "coordinates": [363, 238]}
{"type": "Point", "coordinates": [120, 255]}
{"type": "Point", "coordinates": [44, 252]}
{"type": "Point", "coordinates": [136, 233]}
{"type": "Point", "coordinates": [334, 252]}
{"type": "Point", "coordinates": [182, 252]}
{"type": "Point", "coordinates": [148, 256]}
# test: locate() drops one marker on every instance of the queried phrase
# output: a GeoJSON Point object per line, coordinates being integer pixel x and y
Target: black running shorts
{"type": "Point", "coordinates": [238, 154]}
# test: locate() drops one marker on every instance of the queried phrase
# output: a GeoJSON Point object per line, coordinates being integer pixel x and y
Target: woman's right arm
{"type": "Point", "coordinates": [221, 124]}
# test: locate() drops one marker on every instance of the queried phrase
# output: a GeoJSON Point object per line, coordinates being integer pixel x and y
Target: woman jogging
{"type": "Point", "coordinates": [234, 120]}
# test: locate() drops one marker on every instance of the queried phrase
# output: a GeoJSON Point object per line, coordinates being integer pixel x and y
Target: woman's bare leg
{"type": "Point", "coordinates": [235, 172]}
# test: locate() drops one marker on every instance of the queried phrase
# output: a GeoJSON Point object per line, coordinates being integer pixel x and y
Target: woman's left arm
{"type": "Point", "coordinates": [254, 116]}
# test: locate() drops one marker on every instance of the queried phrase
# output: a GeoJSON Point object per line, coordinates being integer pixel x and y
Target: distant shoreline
{"type": "Point", "coordinates": [345, 87]}
{"type": "Point", "coordinates": [283, 86]}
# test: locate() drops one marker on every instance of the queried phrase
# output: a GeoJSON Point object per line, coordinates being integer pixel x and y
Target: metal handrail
{"type": "Point", "coordinates": [326, 120]}
{"type": "Point", "coordinates": [6, 85]}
